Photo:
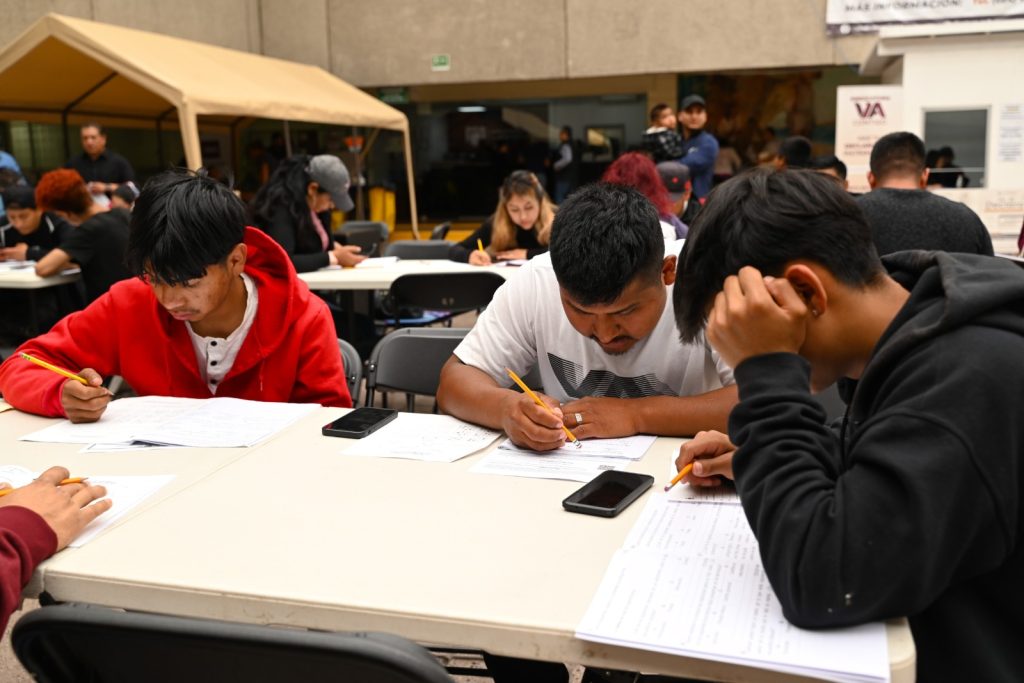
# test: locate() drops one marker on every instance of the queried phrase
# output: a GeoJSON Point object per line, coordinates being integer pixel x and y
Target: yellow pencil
{"type": "Point", "coordinates": [71, 480]}
{"type": "Point", "coordinates": [479, 244]}
{"type": "Point", "coordinates": [536, 398]}
{"type": "Point", "coordinates": [59, 371]}
{"type": "Point", "coordinates": [679, 477]}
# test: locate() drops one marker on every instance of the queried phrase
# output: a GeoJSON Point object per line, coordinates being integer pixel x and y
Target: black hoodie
{"type": "Point", "coordinates": [913, 508]}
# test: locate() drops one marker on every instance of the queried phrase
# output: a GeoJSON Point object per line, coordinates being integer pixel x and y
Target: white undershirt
{"type": "Point", "coordinates": [216, 355]}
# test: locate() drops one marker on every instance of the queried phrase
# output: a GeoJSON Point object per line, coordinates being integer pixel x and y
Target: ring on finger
{"type": "Point", "coordinates": [579, 419]}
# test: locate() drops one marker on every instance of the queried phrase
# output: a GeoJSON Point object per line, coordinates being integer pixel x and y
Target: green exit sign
{"type": "Point", "coordinates": [441, 63]}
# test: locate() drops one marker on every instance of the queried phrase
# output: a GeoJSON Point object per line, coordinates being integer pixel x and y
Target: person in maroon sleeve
{"type": "Point", "coordinates": [35, 522]}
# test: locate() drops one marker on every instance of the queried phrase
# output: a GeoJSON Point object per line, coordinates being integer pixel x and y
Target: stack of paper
{"type": "Point", "coordinates": [419, 436]}
{"type": "Point", "coordinates": [167, 421]}
{"type": "Point", "coordinates": [689, 581]}
{"type": "Point", "coordinates": [568, 462]}
{"type": "Point", "coordinates": [16, 265]}
{"type": "Point", "coordinates": [684, 493]}
{"type": "Point", "coordinates": [124, 492]}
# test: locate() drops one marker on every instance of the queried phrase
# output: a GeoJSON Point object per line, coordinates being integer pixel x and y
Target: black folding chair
{"type": "Point", "coordinates": [74, 643]}
{"type": "Point", "coordinates": [409, 360]}
{"type": "Point", "coordinates": [440, 231]}
{"type": "Point", "coordinates": [367, 235]}
{"type": "Point", "coordinates": [441, 296]}
{"type": "Point", "coordinates": [436, 250]}
{"type": "Point", "coordinates": [353, 369]}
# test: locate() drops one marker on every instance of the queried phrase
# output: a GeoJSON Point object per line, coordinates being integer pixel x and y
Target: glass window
{"type": "Point", "coordinates": [955, 141]}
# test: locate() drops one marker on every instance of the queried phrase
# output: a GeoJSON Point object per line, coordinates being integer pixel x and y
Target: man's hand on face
{"type": "Point", "coordinates": [754, 315]}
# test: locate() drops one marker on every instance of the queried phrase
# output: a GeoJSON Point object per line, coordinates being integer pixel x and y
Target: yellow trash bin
{"type": "Point", "coordinates": [382, 206]}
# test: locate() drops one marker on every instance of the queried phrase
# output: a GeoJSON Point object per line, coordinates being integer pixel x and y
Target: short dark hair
{"type": "Point", "coordinates": [93, 124]}
{"type": "Point", "coordinates": [20, 197]}
{"type": "Point", "coordinates": [828, 161]}
{"type": "Point", "coordinates": [657, 109]}
{"type": "Point", "coordinates": [796, 151]}
{"type": "Point", "coordinates": [604, 237]}
{"type": "Point", "coordinates": [897, 154]}
{"type": "Point", "coordinates": [182, 223]}
{"type": "Point", "coordinates": [768, 218]}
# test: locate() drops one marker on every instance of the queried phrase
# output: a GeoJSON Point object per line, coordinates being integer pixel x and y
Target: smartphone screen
{"type": "Point", "coordinates": [361, 419]}
{"type": "Point", "coordinates": [610, 494]}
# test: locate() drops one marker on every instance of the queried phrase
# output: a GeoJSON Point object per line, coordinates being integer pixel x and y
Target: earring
{"type": "Point", "coordinates": [814, 312]}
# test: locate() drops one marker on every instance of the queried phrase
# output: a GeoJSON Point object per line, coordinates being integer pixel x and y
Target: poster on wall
{"type": "Point", "coordinates": [864, 113]}
{"type": "Point", "coordinates": [859, 16]}
{"type": "Point", "coordinates": [1010, 147]}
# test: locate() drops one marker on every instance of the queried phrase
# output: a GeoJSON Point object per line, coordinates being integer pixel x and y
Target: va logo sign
{"type": "Point", "coordinates": [869, 110]}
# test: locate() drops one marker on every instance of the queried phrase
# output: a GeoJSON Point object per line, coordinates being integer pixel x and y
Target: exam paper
{"type": "Point", "coordinates": [164, 420]}
{"type": "Point", "coordinates": [558, 464]}
{"type": "Point", "coordinates": [124, 492]}
{"type": "Point", "coordinates": [422, 436]}
{"type": "Point", "coordinates": [631, 447]}
{"type": "Point", "coordinates": [378, 262]}
{"type": "Point", "coordinates": [684, 493]}
{"type": "Point", "coordinates": [5, 406]}
{"type": "Point", "coordinates": [689, 581]}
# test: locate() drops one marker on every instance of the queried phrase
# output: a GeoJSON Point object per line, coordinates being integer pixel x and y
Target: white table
{"type": "Point", "coordinates": [381, 277]}
{"type": "Point", "coordinates": [26, 279]}
{"type": "Point", "coordinates": [295, 533]}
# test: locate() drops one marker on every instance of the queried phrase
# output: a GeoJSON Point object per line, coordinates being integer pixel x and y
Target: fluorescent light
{"type": "Point", "coordinates": [472, 110]}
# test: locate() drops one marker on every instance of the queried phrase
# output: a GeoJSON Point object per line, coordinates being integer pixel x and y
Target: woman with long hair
{"type": "Point", "coordinates": [519, 229]}
{"type": "Point", "coordinates": [287, 208]}
{"type": "Point", "coordinates": [638, 171]}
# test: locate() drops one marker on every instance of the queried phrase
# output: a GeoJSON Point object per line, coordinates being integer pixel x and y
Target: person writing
{"type": "Point", "coordinates": [35, 522]}
{"type": "Point", "coordinates": [36, 232]}
{"type": "Point", "coordinates": [911, 505]}
{"type": "Point", "coordinates": [519, 229]}
{"type": "Point", "coordinates": [216, 309]}
{"type": "Point", "coordinates": [289, 206]}
{"type": "Point", "coordinates": [594, 317]}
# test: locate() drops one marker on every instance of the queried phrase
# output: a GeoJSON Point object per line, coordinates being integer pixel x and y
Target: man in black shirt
{"type": "Point", "coordinates": [101, 169]}
{"type": "Point", "coordinates": [97, 244]}
{"type": "Point", "coordinates": [904, 215]}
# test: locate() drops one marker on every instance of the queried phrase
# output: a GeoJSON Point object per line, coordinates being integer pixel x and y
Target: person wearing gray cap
{"type": "Point", "coordinates": [287, 208]}
{"type": "Point", "coordinates": [676, 179]}
{"type": "Point", "coordinates": [700, 149]}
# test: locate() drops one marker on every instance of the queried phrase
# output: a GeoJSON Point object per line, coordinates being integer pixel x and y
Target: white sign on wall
{"type": "Point", "coordinates": [855, 16]}
{"type": "Point", "coordinates": [864, 113]}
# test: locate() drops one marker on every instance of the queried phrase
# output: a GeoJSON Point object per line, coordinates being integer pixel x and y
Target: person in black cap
{"type": "Point", "coordinates": [287, 208]}
{"type": "Point", "coordinates": [676, 179]}
{"type": "Point", "coordinates": [700, 149]}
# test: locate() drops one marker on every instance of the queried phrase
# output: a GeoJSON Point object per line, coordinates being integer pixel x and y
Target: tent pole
{"type": "Point", "coordinates": [411, 179]}
{"type": "Point", "coordinates": [287, 139]}
{"type": "Point", "coordinates": [357, 179]}
{"type": "Point", "coordinates": [190, 138]}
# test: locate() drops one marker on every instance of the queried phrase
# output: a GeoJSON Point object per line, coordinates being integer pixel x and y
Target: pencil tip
{"type": "Point", "coordinates": [578, 444]}
{"type": "Point", "coordinates": [668, 487]}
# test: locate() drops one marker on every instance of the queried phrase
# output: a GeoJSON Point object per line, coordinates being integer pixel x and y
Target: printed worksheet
{"type": "Point", "coordinates": [121, 421]}
{"type": "Point", "coordinates": [631, 447]}
{"type": "Point", "coordinates": [689, 581]}
{"type": "Point", "coordinates": [559, 464]}
{"type": "Point", "coordinates": [684, 493]}
{"type": "Point", "coordinates": [422, 436]}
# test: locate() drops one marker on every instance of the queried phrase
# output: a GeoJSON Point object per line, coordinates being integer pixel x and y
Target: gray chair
{"type": "Point", "coordinates": [353, 369]}
{"type": "Point", "coordinates": [72, 643]}
{"type": "Point", "coordinates": [409, 360]}
{"type": "Point", "coordinates": [441, 296]}
{"type": "Point", "coordinates": [436, 250]}
{"type": "Point", "coordinates": [440, 232]}
{"type": "Point", "coordinates": [368, 235]}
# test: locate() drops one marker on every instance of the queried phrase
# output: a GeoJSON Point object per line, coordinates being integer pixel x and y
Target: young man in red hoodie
{"type": "Point", "coordinates": [216, 309]}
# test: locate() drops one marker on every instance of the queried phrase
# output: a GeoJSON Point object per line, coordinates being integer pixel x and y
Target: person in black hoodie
{"type": "Point", "coordinates": [911, 504]}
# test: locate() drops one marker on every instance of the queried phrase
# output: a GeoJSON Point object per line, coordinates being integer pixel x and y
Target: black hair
{"type": "Point", "coordinates": [567, 130]}
{"type": "Point", "coordinates": [285, 191]}
{"type": "Point", "coordinates": [182, 223]}
{"type": "Point", "coordinates": [19, 197]}
{"type": "Point", "coordinates": [604, 237]}
{"type": "Point", "coordinates": [796, 151]}
{"type": "Point", "coordinates": [656, 111]}
{"type": "Point", "coordinates": [93, 124]}
{"type": "Point", "coordinates": [829, 161]}
{"type": "Point", "coordinates": [768, 218]}
{"type": "Point", "coordinates": [898, 154]}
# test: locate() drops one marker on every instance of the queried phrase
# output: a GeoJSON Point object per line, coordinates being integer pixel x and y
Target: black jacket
{"type": "Point", "coordinates": [525, 239]}
{"type": "Point", "coordinates": [913, 508]}
{"type": "Point", "coordinates": [300, 242]}
{"type": "Point", "coordinates": [51, 232]}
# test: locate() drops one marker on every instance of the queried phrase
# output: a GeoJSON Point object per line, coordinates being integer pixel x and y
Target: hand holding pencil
{"type": "Point", "coordinates": [83, 396]}
{"type": "Point", "coordinates": [704, 460]}
{"type": "Point", "coordinates": [531, 422]}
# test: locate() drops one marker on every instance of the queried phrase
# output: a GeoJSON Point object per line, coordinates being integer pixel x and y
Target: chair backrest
{"type": "Point", "coordinates": [440, 231]}
{"type": "Point", "coordinates": [353, 369]}
{"type": "Point", "coordinates": [419, 249]}
{"type": "Point", "coordinates": [444, 291]}
{"type": "Point", "coordinates": [67, 643]}
{"type": "Point", "coordinates": [367, 235]}
{"type": "Point", "coordinates": [410, 360]}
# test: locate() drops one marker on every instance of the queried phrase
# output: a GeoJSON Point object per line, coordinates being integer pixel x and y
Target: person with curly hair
{"type": "Point", "coordinates": [98, 242]}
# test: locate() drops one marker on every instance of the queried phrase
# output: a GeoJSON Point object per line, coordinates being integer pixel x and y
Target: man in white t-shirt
{"type": "Point", "coordinates": [594, 316]}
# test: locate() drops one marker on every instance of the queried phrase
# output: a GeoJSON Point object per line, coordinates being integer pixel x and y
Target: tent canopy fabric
{"type": "Point", "coordinates": [63, 69]}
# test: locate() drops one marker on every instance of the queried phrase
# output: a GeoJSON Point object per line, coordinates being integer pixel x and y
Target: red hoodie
{"type": "Point", "coordinates": [290, 354]}
{"type": "Point", "coordinates": [25, 541]}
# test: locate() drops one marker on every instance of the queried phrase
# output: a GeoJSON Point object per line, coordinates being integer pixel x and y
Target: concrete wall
{"type": "Point", "coordinates": [391, 42]}
{"type": "Point", "coordinates": [944, 75]}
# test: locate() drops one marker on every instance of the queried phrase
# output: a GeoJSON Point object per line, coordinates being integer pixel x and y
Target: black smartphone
{"type": "Point", "coordinates": [609, 493]}
{"type": "Point", "coordinates": [360, 422]}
